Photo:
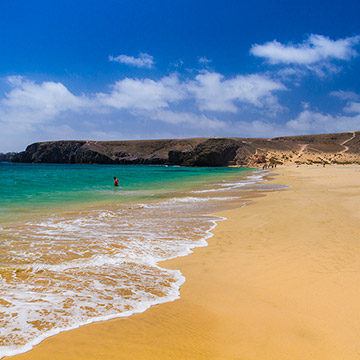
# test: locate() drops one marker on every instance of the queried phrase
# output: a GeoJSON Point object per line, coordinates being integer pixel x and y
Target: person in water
{"type": "Point", "coordinates": [116, 181]}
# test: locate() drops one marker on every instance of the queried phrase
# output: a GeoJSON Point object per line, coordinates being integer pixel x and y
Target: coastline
{"type": "Point", "coordinates": [126, 240]}
{"type": "Point", "coordinates": [277, 281]}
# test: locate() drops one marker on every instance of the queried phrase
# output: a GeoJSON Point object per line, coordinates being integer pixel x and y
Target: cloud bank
{"type": "Point", "coordinates": [194, 103]}
{"type": "Point", "coordinates": [49, 110]}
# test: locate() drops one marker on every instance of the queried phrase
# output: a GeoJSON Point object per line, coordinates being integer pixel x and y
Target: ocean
{"type": "Point", "coordinates": [74, 249]}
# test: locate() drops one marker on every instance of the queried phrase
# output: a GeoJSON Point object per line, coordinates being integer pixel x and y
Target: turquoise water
{"type": "Point", "coordinates": [74, 249]}
{"type": "Point", "coordinates": [26, 188]}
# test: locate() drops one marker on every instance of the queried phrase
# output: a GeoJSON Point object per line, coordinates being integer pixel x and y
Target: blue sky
{"type": "Point", "coordinates": [111, 70]}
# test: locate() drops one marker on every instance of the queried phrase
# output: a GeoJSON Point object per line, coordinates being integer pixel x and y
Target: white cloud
{"type": "Point", "coordinates": [210, 91]}
{"type": "Point", "coordinates": [30, 107]}
{"type": "Point", "coordinates": [31, 112]}
{"type": "Point", "coordinates": [293, 74]}
{"type": "Point", "coordinates": [30, 103]}
{"type": "Point", "coordinates": [323, 69]}
{"type": "Point", "coordinates": [178, 64]}
{"type": "Point", "coordinates": [143, 61]}
{"type": "Point", "coordinates": [317, 48]}
{"type": "Point", "coordinates": [215, 93]}
{"type": "Point", "coordinates": [203, 60]}
{"type": "Point", "coordinates": [345, 95]}
{"type": "Point", "coordinates": [307, 122]}
{"type": "Point", "coordinates": [144, 94]}
{"type": "Point", "coordinates": [353, 107]}
{"type": "Point", "coordinates": [310, 122]}
{"type": "Point", "coordinates": [352, 98]}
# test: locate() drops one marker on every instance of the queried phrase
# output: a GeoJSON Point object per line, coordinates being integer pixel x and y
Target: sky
{"type": "Point", "coordinates": [140, 69]}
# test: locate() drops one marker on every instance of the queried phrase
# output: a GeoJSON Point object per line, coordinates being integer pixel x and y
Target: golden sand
{"type": "Point", "coordinates": [279, 280]}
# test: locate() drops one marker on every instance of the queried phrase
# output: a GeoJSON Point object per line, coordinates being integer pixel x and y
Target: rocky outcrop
{"type": "Point", "coordinates": [211, 152]}
{"type": "Point", "coordinates": [103, 152]}
{"type": "Point", "coordinates": [50, 152]}
{"type": "Point", "coordinates": [187, 152]}
{"type": "Point", "coordinates": [198, 151]}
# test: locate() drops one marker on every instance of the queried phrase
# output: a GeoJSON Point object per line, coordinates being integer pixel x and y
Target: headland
{"type": "Point", "coordinates": [341, 148]}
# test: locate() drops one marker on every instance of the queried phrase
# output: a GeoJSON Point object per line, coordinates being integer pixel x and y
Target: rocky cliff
{"type": "Point", "coordinates": [341, 148]}
{"type": "Point", "coordinates": [7, 157]}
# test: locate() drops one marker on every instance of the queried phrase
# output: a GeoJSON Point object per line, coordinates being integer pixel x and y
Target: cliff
{"type": "Point", "coordinates": [7, 157]}
{"type": "Point", "coordinates": [340, 148]}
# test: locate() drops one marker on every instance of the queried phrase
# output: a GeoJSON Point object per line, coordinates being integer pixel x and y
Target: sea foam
{"type": "Point", "coordinates": [71, 269]}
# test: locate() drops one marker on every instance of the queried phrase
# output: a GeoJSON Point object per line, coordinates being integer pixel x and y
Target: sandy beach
{"type": "Point", "coordinates": [279, 280]}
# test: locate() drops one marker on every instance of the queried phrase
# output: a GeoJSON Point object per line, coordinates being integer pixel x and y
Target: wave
{"type": "Point", "coordinates": [67, 270]}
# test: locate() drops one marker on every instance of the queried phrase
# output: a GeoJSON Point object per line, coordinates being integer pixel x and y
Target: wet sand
{"type": "Point", "coordinates": [279, 280]}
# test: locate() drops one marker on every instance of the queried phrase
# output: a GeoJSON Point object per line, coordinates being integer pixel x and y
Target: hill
{"type": "Point", "coordinates": [335, 148]}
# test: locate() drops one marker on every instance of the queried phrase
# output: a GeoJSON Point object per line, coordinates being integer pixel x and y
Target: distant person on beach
{"type": "Point", "coordinates": [116, 181]}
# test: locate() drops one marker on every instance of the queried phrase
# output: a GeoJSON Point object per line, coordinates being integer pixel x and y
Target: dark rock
{"type": "Point", "coordinates": [7, 157]}
{"type": "Point", "coordinates": [50, 152]}
{"type": "Point", "coordinates": [211, 152]}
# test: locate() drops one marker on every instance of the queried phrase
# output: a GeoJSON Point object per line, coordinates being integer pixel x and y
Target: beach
{"type": "Point", "coordinates": [278, 280]}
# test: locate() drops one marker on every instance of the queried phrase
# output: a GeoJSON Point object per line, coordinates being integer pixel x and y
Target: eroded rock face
{"type": "Point", "coordinates": [50, 152]}
{"type": "Point", "coordinates": [211, 152]}
{"type": "Point", "coordinates": [188, 152]}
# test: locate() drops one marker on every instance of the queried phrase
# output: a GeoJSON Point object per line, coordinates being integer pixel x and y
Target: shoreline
{"type": "Point", "coordinates": [121, 196]}
{"type": "Point", "coordinates": [188, 248]}
{"type": "Point", "coordinates": [251, 293]}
